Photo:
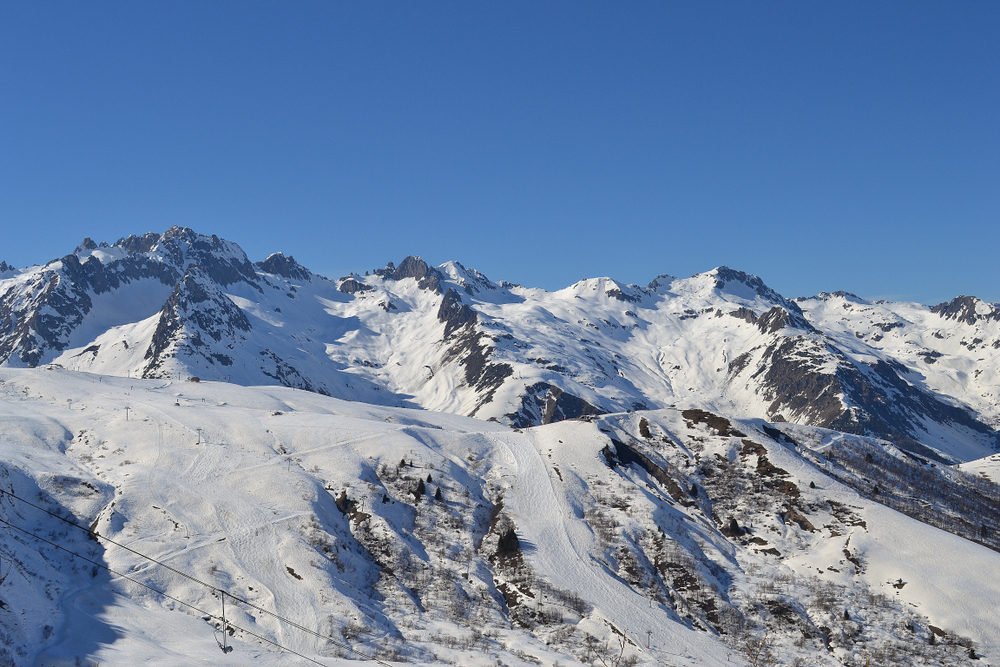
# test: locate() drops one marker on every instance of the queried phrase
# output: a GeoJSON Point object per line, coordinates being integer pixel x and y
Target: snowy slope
{"type": "Point", "coordinates": [547, 545]}
{"type": "Point", "coordinates": [449, 339]}
{"type": "Point", "coordinates": [953, 348]}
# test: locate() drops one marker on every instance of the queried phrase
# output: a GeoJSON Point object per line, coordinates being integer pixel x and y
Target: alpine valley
{"type": "Point", "coordinates": [419, 464]}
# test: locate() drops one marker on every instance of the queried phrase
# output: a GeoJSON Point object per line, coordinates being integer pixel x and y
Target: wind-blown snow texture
{"type": "Point", "coordinates": [700, 458]}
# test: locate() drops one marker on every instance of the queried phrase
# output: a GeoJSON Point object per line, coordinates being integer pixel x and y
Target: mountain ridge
{"type": "Point", "coordinates": [449, 338]}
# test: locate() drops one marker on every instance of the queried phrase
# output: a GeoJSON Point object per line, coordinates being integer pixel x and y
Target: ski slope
{"type": "Point", "coordinates": [237, 487]}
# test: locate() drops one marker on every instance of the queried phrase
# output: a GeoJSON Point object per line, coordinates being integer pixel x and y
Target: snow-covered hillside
{"type": "Point", "coordinates": [448, 339]}
{"type": "Point", "coordinates": [673, 536]}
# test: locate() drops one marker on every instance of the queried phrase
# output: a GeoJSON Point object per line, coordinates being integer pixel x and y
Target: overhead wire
{"type": "Point", "coordinates": [247, 603]}
{"type": "Point", "coordinates": [102, 565]}
{"type": "Point", "coordinates": [162, 593]}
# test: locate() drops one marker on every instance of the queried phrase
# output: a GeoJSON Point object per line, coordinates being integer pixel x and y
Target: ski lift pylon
{"type": "Point", "coordinates": [223, 644]}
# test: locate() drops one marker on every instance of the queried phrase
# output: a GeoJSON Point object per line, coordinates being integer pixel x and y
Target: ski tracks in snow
{"type": "Point", "coordinates": [562, 552]}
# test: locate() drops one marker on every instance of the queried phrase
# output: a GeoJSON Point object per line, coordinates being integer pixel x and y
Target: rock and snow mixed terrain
{"type": "Point", "coordinates": [448, 339]}
{"type": "Point", "coordinates": [419, 464]}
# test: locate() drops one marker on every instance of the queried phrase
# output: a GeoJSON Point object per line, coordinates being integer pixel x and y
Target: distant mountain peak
{"type": "Point", "coordinates": [427, 276]}
{"type": "Point", "coordinates": [662, 280]}
{"type": "Point", "coordinates": [408, 333]}
{"type": "Point", "coordinates": [725, 278]}
{"type": "Point", "coordinates": [286, 267]}
{"type": "Point", "coordinates": [967, 309]}
{"type": "Point", "coordinates": [839, 294]}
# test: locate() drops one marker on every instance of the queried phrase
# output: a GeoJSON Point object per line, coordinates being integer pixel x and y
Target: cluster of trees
{"type": "Point", "coordinates": [946, 498]}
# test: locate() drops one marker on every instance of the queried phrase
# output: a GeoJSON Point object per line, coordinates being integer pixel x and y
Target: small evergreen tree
{"type": "Point", "coordinates": [437, 495]}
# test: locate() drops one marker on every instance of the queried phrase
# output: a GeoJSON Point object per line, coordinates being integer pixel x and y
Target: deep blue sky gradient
{"type": "Point", "coordinates": [821, 146]}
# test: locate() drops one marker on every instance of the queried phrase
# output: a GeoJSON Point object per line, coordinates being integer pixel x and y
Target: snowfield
{"type": "Point", "coordinates": [576, 542]}
{"type": "Point", "coordinates": [182, 304]}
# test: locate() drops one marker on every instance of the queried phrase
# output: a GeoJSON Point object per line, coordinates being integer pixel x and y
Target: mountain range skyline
{"type": "Point", "coordinates": [845, 147]}
{"type": "Point", "coordinates": [6, 265]}
{"type": "Point", "coordinates": [450, 339]}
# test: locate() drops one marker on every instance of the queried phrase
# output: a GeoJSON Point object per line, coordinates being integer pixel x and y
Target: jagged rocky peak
{"type": "Point", "coordinates": [177, 248]}
{"type": "Point", "coordinates": [773, 320]}
{"type": "Point", "coordinates": [223, 260]}
{"type": "Point", "coordinates": [351, 285]}
{"type": "Point", "coordinates": [744, 285]}
{"type": "Point", "coordinates": [86, 244]}
{"type": "Point", "coordinates": [197, 309]}
{"type": "Point", "coordinates": [5, 267]}
{"type": "Point", "coordinates": [839, 294]}
{"type": "Point", "coordinates": [471, 280]}
{"type": "Point", "coordinates": [133, 244]}
{"type": "Point", "coordinates": [967, 309]}
{"type": "Point", "coordinates": [779, 318]}
{"type": "Point", "coordinates": [286, 267]}
{"type": "Point", "coordinates": [412, 267]}
{"type": "Point", "coordinates": [661, 281]}
{"type": "Point", "coordinates": [427, 276]}
{"type": "Point", "coordinates": [626, 293]}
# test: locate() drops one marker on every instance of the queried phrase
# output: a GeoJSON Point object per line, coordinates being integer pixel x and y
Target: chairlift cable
{"type": "Point", "coordinates": [114, 572]}
{"type": "Point", "coordinates": [166, 595]}
{"type": "Point", "coordinates": [213, 588]}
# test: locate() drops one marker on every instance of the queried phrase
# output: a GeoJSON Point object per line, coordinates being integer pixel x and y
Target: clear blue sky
{"type": "Point", "coordinates": [821, 146]}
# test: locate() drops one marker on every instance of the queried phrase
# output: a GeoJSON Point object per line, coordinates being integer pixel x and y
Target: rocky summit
{"type": "Point", "coordinates": [418, 464]}
{"type": "Point", "coordinates": [447, 338]}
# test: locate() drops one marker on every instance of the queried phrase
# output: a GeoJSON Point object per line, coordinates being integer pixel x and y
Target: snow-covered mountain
{"type": "Point", "coordinates": [695, 472]}
{"type": "Point", "coordinates": [155, 521]}
{"type": "Point", "coordinates": [449, 339]}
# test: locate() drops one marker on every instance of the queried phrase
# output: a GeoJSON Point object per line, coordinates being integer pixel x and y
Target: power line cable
{"type": "Point", "coordinates": [159, 592]}
{"type": "Point", "coordinates": [115, 572]}
{"type": "Point", "coordinates": [238, 599]}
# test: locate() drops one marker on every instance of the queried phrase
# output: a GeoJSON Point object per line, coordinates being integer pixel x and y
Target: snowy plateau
{"type": "Point", "coordinates": [208, 460]}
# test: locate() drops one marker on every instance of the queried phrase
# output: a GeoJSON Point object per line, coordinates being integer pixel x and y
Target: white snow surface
{"type": "Point", "coordinates": [236, 486]}
{"type": "Point", "coordinates": [691, 341]}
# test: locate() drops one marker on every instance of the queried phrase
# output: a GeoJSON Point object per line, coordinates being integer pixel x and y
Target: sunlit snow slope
{"type": "Point", "coordinates": [448, 339]}
{"type": "Point", "coordinates": [319, 517]}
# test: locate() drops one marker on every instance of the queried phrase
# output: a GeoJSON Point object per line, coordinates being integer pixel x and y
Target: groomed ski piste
{"type": "Point", "coordinates": [299, 510]}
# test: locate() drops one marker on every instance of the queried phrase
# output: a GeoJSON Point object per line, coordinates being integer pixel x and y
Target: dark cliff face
{"type": "Point", "coordinates": [224, 262]}
{"type": "Point", "coordinates": [196, 307]}
{"type": "Point", "coordinates": [544, 403]}
{"type": "Point", "coordinates": [778, 318]}
{"type": "Point", "coordinates": [38, 317]}
{"type": "Point", "coordinates": [352, 286]}
{"type": "Point", "coordinates": [286, 267]}
{"type": "Point", "coordinates": [471, 348]}
{"type": "Point", "coordinates": [964, 309]}
{"type": "Point", "coordinates": [427, 277]}
{"type": "Point", "coordinates": [809, 380]}
{"type": "Point", "coordinates": [455, 314]}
